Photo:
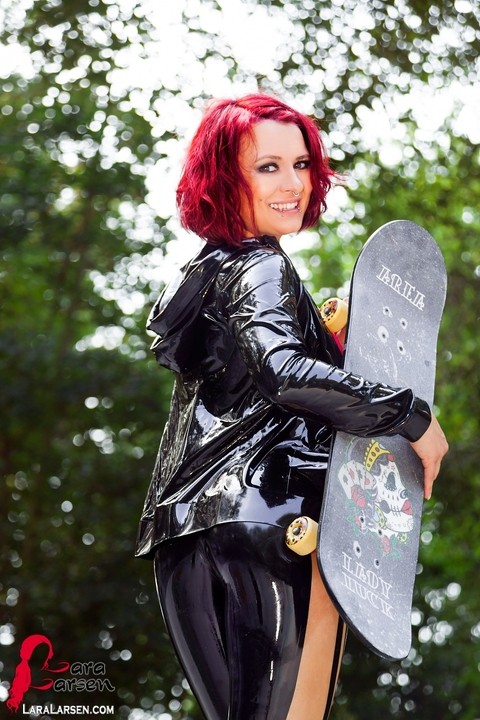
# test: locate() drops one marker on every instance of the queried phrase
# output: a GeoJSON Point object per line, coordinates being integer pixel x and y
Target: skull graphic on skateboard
{"type": "Point", "coordinates": [367, 547]}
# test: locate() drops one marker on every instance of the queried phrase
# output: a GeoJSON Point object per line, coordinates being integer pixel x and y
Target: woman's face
{"type": "Point", "coordinates": [276, 165]}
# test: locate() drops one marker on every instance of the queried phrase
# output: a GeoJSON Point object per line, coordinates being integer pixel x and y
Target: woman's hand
{"type": "Point", "coordinates": [431, 448]}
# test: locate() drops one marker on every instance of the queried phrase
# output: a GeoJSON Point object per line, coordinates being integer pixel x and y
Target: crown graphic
{"type": "Point", "coordinates": [372, 453]}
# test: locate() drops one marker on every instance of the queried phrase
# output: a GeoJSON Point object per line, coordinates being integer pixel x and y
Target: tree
{"type": "Point", "coordinates": [82, 409]}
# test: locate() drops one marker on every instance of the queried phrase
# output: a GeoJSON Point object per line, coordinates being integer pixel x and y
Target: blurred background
{"type": "Point", "coordinates": [98, 99]}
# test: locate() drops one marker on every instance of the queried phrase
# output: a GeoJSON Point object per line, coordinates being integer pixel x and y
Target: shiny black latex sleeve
{"type": "Point", "coordinates": [262, 309]}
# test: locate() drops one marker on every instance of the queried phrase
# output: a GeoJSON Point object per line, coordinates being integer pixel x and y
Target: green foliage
{"type": "Point", "coordinates": [82, 408]}
{"type": "Point", "coordinates": [82, 402]}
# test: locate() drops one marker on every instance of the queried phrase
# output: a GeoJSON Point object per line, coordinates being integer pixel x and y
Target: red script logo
{"type": "Point", "coordinates": [23, 675]}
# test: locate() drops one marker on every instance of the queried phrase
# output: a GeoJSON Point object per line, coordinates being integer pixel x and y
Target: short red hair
{"type": "Point", "coordinates": [212, 184]}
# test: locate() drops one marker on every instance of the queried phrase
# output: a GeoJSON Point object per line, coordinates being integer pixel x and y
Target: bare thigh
{"type": "Point", "coordinates": [321, 656]}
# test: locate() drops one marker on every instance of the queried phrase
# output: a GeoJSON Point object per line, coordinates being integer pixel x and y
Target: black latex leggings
{"type": "Point", "coordinates": [235, 603]}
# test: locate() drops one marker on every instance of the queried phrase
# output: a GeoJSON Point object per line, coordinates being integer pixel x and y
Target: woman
{"type": "Point", "coordinates": [258, 391]}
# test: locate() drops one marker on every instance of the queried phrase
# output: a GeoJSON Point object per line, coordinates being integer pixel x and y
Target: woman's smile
{"type": "Point", "coordinates": [285, 207]}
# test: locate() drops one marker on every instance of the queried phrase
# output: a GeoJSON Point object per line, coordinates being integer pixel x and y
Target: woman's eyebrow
{"type": "Point", "coordinates": [270, 157]}
{"type": "Point", "coordinates": [279, 157]}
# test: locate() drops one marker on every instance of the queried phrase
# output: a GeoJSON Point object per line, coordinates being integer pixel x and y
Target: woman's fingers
{"type": "Point", "coordinates": [431, 449]}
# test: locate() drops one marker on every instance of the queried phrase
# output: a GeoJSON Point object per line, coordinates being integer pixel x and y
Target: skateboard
{"type": "Point", "coordinates": [367, 545]}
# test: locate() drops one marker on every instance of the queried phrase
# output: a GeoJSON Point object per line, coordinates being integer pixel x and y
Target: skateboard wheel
{"type": "Point", "coordinates": [301, 535]}
{"type": "Point", "coordinates": [334, 313]}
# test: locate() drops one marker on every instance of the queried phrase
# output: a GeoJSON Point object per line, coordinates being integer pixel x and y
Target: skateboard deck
{"type": "Point", "coordinates": [372, 509]}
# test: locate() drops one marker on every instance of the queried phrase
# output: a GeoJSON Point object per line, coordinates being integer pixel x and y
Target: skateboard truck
{"type": "Point", "coordinates": [334, 313]}
{"type": "Point", "coordinates": [301, 535]}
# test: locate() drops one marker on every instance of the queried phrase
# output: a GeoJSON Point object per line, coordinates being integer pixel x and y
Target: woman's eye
{"type": "Point", "coordinates": [270, 167]}
{"type": "Point", "coordinates": [302, 164]}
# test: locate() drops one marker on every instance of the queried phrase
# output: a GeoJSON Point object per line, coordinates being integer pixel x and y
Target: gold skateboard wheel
{"type": "Point", "coordinates": [301, 535]}
{"type": "Point", "coordinates": [334, 313]}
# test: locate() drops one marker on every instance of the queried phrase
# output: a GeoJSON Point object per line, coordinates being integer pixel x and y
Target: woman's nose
{"type": "Point", "coordinates": [292, 183]}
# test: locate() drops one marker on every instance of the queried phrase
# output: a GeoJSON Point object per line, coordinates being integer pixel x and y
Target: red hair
{"type": "Point", "coordinates": [212, 184]}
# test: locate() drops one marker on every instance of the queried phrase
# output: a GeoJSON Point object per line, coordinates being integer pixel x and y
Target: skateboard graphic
{"type": "Point", "coordinates": [367, 547]}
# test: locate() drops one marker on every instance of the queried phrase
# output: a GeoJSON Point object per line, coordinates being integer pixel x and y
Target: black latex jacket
{"type": "Point", "coordinates": [258, 391]}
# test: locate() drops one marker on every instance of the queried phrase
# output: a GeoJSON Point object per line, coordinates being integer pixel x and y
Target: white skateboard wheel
{"type": "Point", "coordinates": [334, 313]}
{"type": "Point", "coordinates": [301, 535]}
